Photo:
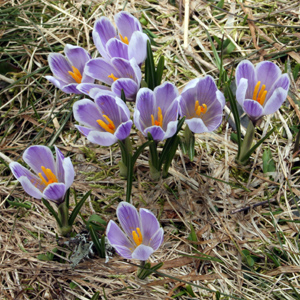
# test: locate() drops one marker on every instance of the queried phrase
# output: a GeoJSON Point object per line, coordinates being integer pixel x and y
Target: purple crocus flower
{"type": "Point", "coordinates": [202, 104]}
{"type": "Point", "coordinates": [51, 179]}
{"type": "Point", "coordinates": [130, 42]}
{"type": "Point", "coordinates": [68, 70]}
{"type": "Point", "coordinates": [106, 120]}
{"type": "Point", "coordinates": [260, 90]}
{"type": "Point", "coordinates": [141, 234]}
{"type": "Point", "coordinates": [119, 73]}
{"type": "Point", "coordinates": [157, 111]}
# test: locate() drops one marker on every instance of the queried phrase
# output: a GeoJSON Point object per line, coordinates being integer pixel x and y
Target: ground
{"type": "Point", "coordinates": [216, 244]}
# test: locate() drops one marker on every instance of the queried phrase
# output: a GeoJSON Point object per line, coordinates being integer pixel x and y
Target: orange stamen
{"type": "Point", "coordinates": [114, 78]}
{"type": "Point", "coordinates": [110, 127]}
{"type": "Point", "coordinates": [137, 236]}
{"type": "Point", "coordinates": [260, 98]}
{"type": "Point", "coordinates": [200, 108]}
{"type": "Point", "coordinates": [49, 175]}
{"type": "Point", "coordinates": [159, 120]}
{"type": "Point", "coordinates": [76, 75]}
{"type": "Point", "coordinates": [124, 39]}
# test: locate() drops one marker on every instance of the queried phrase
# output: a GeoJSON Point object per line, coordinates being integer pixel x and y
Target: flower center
{"type": "Point", "coordinates": [200, 108]}
{"type": "Point", "coordinates": [76, 75]}
{"type": "Point", "coordinates": [260, 98]}
{"type": "Point", "coordinates": [159, 120]}
{"type": "Point", "coordinates": [114, 78]}
{"type": "Point", "coordinates": [137, 236]}
{"type": "Point", "coordinates": [49, 175]}
{"type": "Point", "coordinates": [110, 127]}
{"type": "Point", "coordinates": [124, 39]}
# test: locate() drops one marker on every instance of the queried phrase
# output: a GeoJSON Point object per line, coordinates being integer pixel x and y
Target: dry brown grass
{"type": "Point", "coordinates": [203, 193]}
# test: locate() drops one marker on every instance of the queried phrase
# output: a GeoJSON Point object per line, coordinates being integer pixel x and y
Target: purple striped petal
{"type": "Point", "coordinates": [275, 101]}
{"type": "Point", "coordinates": [138, 47]}
{"type": "Point", "coordinates": [266, 72]}
{"type": "Point", "coordinates": [103, 31]}
{"type": "Point", "coordinates": [129, 87]}
{"type": "Point", "coordinates": [165, 95]}
{"type": "Point", "coordinates": [57, 82]}
{"type": "Point", "coordinates": [34, 183]}
{"type": "Point", "coordinates": [87, 113]}
{"type": "Point", "coordinates": [96, 92]}
{"type": "Point", "coordinates": [102, 138]}
{"type": "Point", "coordinates": [253, 109]}
{"type": "Point", "coordinates": [157, 239]}
{"type": "Point", "coordinates": [85, 88]}
{"type": "Point", "coordinates": [100, 69]}
{"type": "Point", "coordinates": [125, 67]}
{"type": "Point", "coordinates": [283, 81]}
{"type": "Point", "coordinates": [157, 133]}
{"type": "Point", "coordinates": [150, 225]}
{"type": "Point", "coordinates": [77, 56]}
{"type": "Point", "coordinates": [171, 129]}
{"type": "Point", "coordinates": [55, 192]}
{"type": "Point", "coordinates": [60, 66]}
{"type": "Point", "coordinates": [68, 172]}
{"type": "Point", "coordinates": [128, 218]}
{"type": "Point", "coordinates": [171, 113]}
{"type": "Point", "coordinates": [123, 130]}
{"type": "Point", "coordinates": [142, 252]}
{"type": "Point", "coordinates": [83, 130]}
{"type": "Point", "coordinates": [37, 156]}
{"type": "Point", "coordinates": [30, 188]}
{"type": "Point", "coordinates": [59, 165]}
{"type": "Point", "coordinates": [116, 48]}
{"type": "Point", "coordinates": [71, 89]}
{"type": "Point", "coordinates": [241, 91]}
{"type": "Point", "coordinates": [196, 125]}
{"type": "Point", "coordinates": [145, 101]}
{"type": "Point", "coordinates": [127, 24]}
{"type": "Point", "coordinates": [117, 237]}
{"type": "Point", "coordinates": [245, 69]}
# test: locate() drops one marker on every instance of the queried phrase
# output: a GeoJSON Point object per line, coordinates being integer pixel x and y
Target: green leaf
{"type": "Point", "coordinates": [95, 296]}
{"type": "Point", "coordinates": [296, 71]}
{"type": "Point", "coordinates": [248, 154]}
{"type": "Point", "coordinates": [170, 156]}
{"type": "Point", "coordinates": [95, 221]}
{"type": "Point", "coordinates": [160, 70]}
{"type": "Point", "coordinates": [100, 246]}
{"type": "Point", "coordinates": [73, 285]}
{"type": "Point", "coordinates": [25, 204]}
{"type": "Point", "coordinates": [192, 236]}
{"type": "Point", "coordinates": [268, 161]}
{"type": "Point", "coordinates": [190, 290]}
{"type": "Point", "coordinates": [150, 68]}
{"type": "Point", "coordinates": [52, 211]}
{"type": "Point", "coordinates": [77, 208]}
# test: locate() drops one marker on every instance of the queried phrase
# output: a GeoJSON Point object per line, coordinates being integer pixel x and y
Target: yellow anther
{"type": "Point", "coordinates": [113, 77]}
{"type": "Point", "coordinates": [110, 127]}
{"type": "Point", "coordinates": [76, 75]}
{"type": "Point", "coordinates": [200, 108]}
{"type": "Point", "coordinates": [124, 39]}
{"type": "Point", "coordinates": [49, 175]}
{"type": "Point", "coordinates": [260, 98]}
{"type": "Point", "coordinates": [137, 236]}
{"type": "Point", "coordinates": [159, 120]}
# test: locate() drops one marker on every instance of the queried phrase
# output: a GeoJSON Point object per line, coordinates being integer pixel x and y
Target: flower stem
{"type": "Point", "coordinates": [243, 158]}
{"type": "Point", "coordinates": [63, 215]}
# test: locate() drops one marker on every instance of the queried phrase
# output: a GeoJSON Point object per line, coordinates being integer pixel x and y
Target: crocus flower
{"type": "Point", "coordinates": [119, 73]}
{"type": "Point", "coordinates": [157, 111]}
{"type": "Point", "coordinates": [202, 104]}
{"type": "Point", "coordinates": [68, 70]}
{"type": "Point", "coordinates": [129, 42]}
{"type": "Point", "coordinates": [141, 234]}
{"type": "Point", "coordinates": [105, 120]}
{"type": "Point", "coordinates": [50, 179]}
{"type": "Point", "coordinates": [260, 90]}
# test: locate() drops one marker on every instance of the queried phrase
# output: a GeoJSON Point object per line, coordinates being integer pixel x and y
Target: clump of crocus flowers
{"type": "Point", "coordinates": [159, 114]}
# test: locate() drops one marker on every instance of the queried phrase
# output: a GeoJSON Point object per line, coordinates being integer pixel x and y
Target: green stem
{"type": "Point", "coordinates": [189, 139]}
{"type": "Point", "coordinates": [243, 156]}
{"type": "Point", "coordinates": [63, 215]}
